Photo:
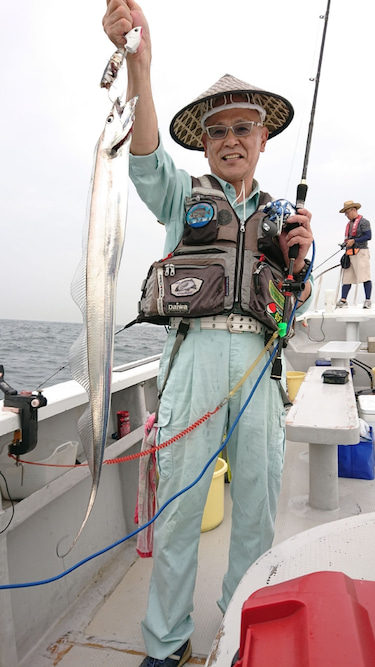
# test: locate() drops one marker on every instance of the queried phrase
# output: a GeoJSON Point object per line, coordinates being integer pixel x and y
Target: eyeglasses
{"type": "Point", "coordinates": [239, 129]}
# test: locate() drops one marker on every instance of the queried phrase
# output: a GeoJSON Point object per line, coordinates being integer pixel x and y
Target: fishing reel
{"type": "Point", "coordinates": [276, 214]}
{"type": "Point", "coordinates": [274, 222]}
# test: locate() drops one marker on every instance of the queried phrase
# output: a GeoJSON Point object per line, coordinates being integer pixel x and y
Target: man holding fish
{"type": "Point", "coordinates": [231, 123]}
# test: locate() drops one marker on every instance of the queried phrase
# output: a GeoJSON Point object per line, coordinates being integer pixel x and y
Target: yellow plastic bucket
{"type": "Point", "coordinates": [294, 380]}
{"type": "Point", "coordinates": [214, 509]}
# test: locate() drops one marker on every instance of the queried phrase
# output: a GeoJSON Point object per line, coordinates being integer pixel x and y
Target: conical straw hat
{"type": "Point", "coordinates": [186, 128]}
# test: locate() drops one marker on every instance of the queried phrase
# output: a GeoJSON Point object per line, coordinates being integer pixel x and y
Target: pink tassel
{"type": "Point", "coordinates": [146, 497]}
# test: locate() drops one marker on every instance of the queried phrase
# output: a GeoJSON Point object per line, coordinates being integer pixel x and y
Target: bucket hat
{"type": "Point", "coordinates": [186, 128]}
{"type": "Point", "coordinates": [349, 204]}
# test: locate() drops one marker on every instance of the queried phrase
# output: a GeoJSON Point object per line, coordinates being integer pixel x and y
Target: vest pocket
{"type": "Point", "coordinates": [185, 286]}
{"type": "Point", "coordinates": [261, 295]}
{"type": "Point", "coordinates": [200, 221]}
{"type": "Point", "coordinates": [200, 235]}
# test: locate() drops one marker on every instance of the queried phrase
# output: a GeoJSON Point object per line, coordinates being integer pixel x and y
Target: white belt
{"type": "Point", "coordinates": [233, 323]}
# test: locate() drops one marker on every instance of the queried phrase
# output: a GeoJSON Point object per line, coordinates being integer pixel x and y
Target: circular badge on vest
{"type": "Point", "coordinates": [224, 217]}
{"type": "Point", "coordinates": [200, 214]}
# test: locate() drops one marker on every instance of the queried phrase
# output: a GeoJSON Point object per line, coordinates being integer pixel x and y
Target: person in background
{"type": "Point", "coordinates": [231, 123]}
{"type": "Point", "coordinates": [357, 236]}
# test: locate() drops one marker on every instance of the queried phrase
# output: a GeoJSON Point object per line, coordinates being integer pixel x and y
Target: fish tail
{"type": "Point", "coordinates": [59, 552]}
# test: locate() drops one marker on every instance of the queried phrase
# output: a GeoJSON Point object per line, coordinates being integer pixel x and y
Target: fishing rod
{"type": "Point", "coordinates": [328, 258]}
{"type": "Point", "coordinates": [302, 186]}
{"type": "Point", "coordinates": [313, 108]}
{"type": "Point", "coordinates": [278, 212]}
{"type": "Point", "coordinates": [290, 286]}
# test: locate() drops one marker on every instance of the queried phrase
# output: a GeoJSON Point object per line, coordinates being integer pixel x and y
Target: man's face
{"type": "Point", "coordinates": [351, 213]}
{"type": "Point", "coordinates": [234, 158]}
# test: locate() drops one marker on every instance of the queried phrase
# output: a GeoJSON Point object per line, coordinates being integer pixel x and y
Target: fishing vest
{"type": "Point", "coordinates": [351, 227]}
{"type": "Point", "coordinates": [220, 266]}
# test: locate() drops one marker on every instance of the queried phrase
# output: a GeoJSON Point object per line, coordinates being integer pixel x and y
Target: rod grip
{"type": "Point", "coordinates": [294, 249]}
{"type": "Point", "coordinates": [300, 203]}
{"type": "Point", "coordinates": [301, 194]}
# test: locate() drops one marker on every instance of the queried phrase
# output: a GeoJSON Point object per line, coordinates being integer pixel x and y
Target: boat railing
{"type": "Point", "coordinates": [320, 297]}
{"type": "Point", "coordinates": [136, 363]}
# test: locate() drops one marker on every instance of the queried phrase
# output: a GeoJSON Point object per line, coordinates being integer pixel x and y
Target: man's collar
{"type": "Point", "coordinates": [231, 193]}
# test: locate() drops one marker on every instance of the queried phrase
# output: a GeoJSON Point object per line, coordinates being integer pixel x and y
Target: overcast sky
{"type": "Point", "coordinates": [53, 110]}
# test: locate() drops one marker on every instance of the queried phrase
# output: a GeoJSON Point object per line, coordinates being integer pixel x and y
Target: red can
{"type": "Point", "coordinates": [123, 423]}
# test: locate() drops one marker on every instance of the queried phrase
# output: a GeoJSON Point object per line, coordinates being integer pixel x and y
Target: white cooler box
{"type": "Point", "coordinates": [366, 403]}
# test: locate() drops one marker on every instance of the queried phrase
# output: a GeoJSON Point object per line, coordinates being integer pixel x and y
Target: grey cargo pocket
{"type": "Point", "coordinates": [261, 293]}
{"type": "Point", "coordinates": [187, 286]}
{"type": "Point", "coordinates": [164, 456]}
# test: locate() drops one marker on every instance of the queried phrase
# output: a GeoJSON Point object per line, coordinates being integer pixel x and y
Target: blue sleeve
{"type": "Point", "coordinates": [366, 236]}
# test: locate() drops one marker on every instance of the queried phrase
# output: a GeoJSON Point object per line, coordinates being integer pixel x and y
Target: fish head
{"type": "Point", "coordinates": [118, 126]}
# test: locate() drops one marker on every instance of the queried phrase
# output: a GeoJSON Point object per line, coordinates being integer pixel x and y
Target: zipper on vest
{"type": "Point", "coordinates": [169, 270]}
{"type": "Point", "coordinates": [239, 262]}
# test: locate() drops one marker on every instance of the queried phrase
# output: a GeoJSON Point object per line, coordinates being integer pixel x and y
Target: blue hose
{"type": "Point", "coordinates": [213, 457]}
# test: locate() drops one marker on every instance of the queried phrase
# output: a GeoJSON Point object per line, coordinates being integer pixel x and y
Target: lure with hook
{"type": "Point", "coordinates": [133, 40]}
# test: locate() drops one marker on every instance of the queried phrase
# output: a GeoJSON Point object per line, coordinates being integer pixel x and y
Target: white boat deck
{"type": "Point", "coordinates": [104, 626]}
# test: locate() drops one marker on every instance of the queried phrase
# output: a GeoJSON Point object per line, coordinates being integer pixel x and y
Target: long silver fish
{"type": "Point", "coordinates": [94, 285]}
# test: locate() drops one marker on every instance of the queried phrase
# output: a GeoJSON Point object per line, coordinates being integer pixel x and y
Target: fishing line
{"type": "Point", "coordinates": [162, 508]}
{"type": "Point", "coordinates": [61, 368]}
{"type": "Point", "coordinates": [64, 366]}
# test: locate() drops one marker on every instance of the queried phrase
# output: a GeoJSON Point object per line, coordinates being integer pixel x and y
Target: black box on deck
{"type": "Point", "coordinates": [335, 376]}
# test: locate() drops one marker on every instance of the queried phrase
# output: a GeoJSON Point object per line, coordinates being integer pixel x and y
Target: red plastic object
{"type": "Point", "coordinates": [123, 423]}
{"type": "Point", "coordinates": [324, 619]}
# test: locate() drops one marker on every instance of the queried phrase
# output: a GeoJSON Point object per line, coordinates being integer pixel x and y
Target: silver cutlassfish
{"type": "Point", "coordinates": [94, 284]}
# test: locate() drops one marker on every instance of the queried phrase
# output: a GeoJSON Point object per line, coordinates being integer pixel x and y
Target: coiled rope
{"type": "Point", "coordinates": [178, 436]}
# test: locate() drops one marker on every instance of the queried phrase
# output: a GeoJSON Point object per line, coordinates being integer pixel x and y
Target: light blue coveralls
{"type": "Point", "coordinates": [207, 366]}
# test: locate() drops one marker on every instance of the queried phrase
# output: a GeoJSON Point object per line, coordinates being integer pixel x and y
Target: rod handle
{"type": "Point", "coordinates": [300, 203]}
{"type": "Point", "coordinates": [301, 194]}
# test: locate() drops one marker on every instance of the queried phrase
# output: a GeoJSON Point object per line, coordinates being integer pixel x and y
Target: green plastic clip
{"type": "Point", "coordinates": [282, 327]}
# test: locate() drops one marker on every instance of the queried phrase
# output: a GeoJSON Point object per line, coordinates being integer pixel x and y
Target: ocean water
{"type": "Point", "coordinates": [36, 353]}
